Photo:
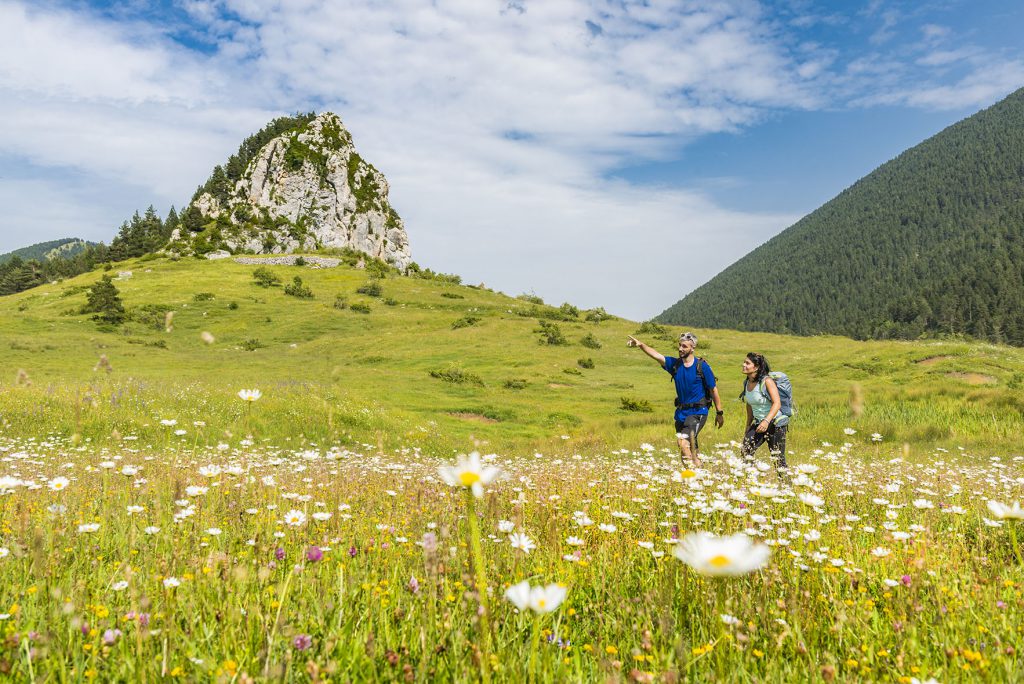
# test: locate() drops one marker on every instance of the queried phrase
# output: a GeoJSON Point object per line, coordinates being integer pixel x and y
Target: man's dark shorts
{"type": "Point", "coordinates": [691, 427]}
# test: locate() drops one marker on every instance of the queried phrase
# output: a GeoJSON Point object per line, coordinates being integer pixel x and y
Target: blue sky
{"type": "Point", "coordinates": [612, 154]}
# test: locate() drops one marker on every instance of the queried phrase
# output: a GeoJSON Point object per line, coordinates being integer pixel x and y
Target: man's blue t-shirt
{"type": "Point", "coordinates": [689, 388]}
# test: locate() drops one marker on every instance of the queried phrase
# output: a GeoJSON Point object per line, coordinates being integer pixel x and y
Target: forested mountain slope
{"type": "Point", "coordinates": [931, 242]}
{"type": "Point", "coordinates": [65, 247]}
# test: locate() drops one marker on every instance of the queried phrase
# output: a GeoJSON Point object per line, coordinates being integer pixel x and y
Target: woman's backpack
{"type": "Point", "coordinates": [785, 387]}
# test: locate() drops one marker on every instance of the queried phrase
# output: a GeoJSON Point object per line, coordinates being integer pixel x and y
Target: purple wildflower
{"type": "Point", "coordinates": [314, 553]}
{"type": "Point", "coordinates": [279, 553]}
{"type": "Point", "coordinates": [302, 642]}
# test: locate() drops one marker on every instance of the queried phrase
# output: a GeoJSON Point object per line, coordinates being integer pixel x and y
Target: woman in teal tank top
{"type": "Point", "coordinates": [765, 421]}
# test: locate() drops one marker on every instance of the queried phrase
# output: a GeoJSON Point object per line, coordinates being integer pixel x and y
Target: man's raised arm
{"type": "Point", "coordinates": [650, 351]}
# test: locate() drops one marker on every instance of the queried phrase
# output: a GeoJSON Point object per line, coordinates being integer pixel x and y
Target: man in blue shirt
{"type": "Point", "coordinates": [695, 391]}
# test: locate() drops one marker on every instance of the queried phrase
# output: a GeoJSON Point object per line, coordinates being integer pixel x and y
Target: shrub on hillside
{"type": "Point", "coordinates": [297, 289]}
{"type": "Point", "coordinates": [651, 328]}
{"type": "Point", "coordinates": [371, 289]}
{"type": "Point", "coordinates": [586, 362]}
{"type": "Point", "coordinates": [360, 307]}
{"type": "Point", "coordinates": [377, 268]}
{"type": "Point", "coordinates": [340, 302]}
{"type": "Point", "coordinates": [457, 376]}
{"type": "Point", "coordinates": [548, 313]}
{"type": "Point", "coordinates": [590, 342]}
{"type": "Point", "coordinates": [597, 315]}
{"type": "Point", "coordinates": [416, 271]}
{"type": "Point", "coordinates": [514, 384]}
{"type": "Point", "coordinates": [550, 333]}
{"type": "Point", "coordinates": [264, 277]}
{"type": "Point", "coordinates": [252, 345]}
{"type": "Point", "coordinates": [451, 295]}
{"type": "Point", "coordinates": [531, 298]}
{"type": "Point", "coordinates": [150, 315]}
{"type": "Point", "coordinates": [202, 296]}
{"type": "Point", "coordinates": [636, 405]}
{"type": "Point", "coordinates": [569, 311]}
{"type": "Point", "coordinates": [465, 322]}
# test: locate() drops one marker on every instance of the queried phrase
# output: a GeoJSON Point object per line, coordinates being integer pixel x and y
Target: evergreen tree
{"type": "Point", "coordinates": [104, 302]}
{"type": "Point", "coordinates": [192, 219]}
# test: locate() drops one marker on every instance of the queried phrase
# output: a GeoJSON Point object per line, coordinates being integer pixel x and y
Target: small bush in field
{"type": "Point", "coordinates": [636, 405]}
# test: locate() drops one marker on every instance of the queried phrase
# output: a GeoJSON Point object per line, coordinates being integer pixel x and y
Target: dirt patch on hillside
{"type": "Point", "coordinates": [974, 378]}
{"type": "Point", "coordinates": [555, 385]}
{"type": "Point", "coordinates": [932, 360]}
{"type": "Point", "coordinates": [473, 417]}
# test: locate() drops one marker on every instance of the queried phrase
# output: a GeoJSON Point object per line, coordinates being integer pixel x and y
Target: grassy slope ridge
{"type": "Point", "coordinates": [330, 374]}
{"type": "Point", "coordinates": [929, 242]}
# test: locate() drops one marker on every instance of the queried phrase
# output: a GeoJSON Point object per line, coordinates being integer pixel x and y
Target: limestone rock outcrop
{"type": "Point", "coordinates": [305, 189]}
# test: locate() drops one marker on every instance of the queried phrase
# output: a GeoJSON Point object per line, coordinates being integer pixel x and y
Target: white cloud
{"type": "Point", "coordinates": [634, 251]}
{"type": "Point", "coordinates": [47, 54]}
{"type": "Point", "coordinates": [938, 58]}
{"type": "Point", "coordinates": [934, 32]}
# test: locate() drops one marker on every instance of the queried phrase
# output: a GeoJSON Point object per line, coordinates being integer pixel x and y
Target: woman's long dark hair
{"type": "Point", "coordinates": [762, 365]}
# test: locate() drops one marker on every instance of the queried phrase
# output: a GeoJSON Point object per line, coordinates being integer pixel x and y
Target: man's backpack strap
{"type": "Point", "coordinates": [706, 401]}
{"type": "Point", "coordinates": [700, 374]}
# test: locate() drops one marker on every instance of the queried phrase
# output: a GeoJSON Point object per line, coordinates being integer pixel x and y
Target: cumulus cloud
{"type": "Point", "coordinates": [631, 250]}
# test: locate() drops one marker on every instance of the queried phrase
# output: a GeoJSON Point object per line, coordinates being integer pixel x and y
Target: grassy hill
{"type": "Point", "coordinates": [406, 374]}
{"type": "Point", "coordinates": [929, 243]}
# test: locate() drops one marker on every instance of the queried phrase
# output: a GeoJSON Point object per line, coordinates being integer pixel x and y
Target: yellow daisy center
{"type": "Point", "coordinates": [719, 561]}
{"type": "Point", "coordinates": [469, 478]}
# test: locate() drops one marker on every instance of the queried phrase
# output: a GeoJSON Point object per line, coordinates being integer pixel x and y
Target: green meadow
{"type": "Point", "coordinates": [444, 366]}
{"type": "Point", "coordinates": [154, 526]}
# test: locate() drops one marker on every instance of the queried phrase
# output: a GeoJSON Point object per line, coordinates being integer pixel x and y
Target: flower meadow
{"type": "Point", "coordinates": [245, 561]}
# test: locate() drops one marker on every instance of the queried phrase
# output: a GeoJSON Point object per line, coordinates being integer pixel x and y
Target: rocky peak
{"type": "Point", "coordinates": [306, 188]}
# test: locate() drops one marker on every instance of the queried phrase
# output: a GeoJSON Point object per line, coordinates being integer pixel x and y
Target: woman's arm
{"type": "Point", "coordinates": [653, 353]}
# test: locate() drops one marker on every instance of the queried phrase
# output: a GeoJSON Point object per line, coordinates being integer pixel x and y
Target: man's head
{"type": "Point", "coordinates": [687, 343]}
